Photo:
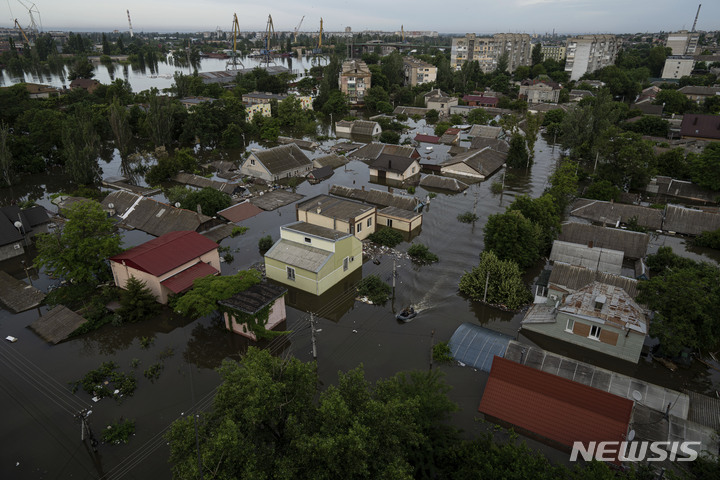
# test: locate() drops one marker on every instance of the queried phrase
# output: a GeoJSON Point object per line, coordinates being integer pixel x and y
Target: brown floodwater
{"type": "Point", "coordinates": [41, 438]}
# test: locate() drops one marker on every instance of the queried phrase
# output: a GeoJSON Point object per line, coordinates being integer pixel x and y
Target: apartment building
{"type": "Point", "coordinates": [554, 52]}
{"type": "Point", "coordinates": [683, 42]}
{"type": "Point", "coordinates": [488, 50]}
{"type": "Point", "coordinates": [587, 53]}
{"type": "Point", "coordinates": [355, 80]}
{"type": "Point", "coordinates": [418, 72]}
{"type": "Point", "coordinates": [678, 66]}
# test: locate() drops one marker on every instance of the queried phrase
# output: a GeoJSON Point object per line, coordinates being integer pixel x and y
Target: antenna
{"type": "Point", "coordinates": [130, 24]}
{"type": "Point", "coordinates": [696, 17]}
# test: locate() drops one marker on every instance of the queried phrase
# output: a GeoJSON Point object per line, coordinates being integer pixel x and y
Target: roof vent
{"type": "Point", "coordinates": [600, 302]}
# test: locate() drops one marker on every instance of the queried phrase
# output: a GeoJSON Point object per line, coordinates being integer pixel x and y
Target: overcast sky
{"type": "Point", "coordinates": [478, 16]}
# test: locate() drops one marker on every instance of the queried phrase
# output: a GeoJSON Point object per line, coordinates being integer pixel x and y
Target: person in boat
{"type": "Point", "coordinates": [407, 311]}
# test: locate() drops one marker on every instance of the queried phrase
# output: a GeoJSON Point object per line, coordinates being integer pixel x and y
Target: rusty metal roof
{"type": "Point", "coordinates": [615, 307]}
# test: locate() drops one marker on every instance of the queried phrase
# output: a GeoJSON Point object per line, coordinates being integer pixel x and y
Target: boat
{"type": "Point", "coordinates": [406, 315]}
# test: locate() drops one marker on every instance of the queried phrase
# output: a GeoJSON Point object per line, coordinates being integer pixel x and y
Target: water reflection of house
{"type": "Point", "coordinates": [168, 264]}
{"type": "Point", "coordinates": [276, 163]}
{"type": "Point", "coordinates": [598, 316]}
{"type": "Point", "coordinates": [250, 303]}
{"type": "Point", "coordinates": [333, 304]}
{"type": "Point", "coordinates": [312, 258]}
{"type": "Point", "coordinates": [394, 169]}
{"type": "Point", "coordinates": [338, 214]}
{"type": "Point", "coordinates": [18, 226]}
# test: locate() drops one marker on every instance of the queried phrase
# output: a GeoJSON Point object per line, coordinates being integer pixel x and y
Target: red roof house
{"type": "Point", "coordinates": [168, 264]}
{"type": "Point", "coordinates": [553, 409]}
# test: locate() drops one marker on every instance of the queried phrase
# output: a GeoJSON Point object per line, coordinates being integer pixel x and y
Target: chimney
{"type": "Point", "coordinates": [319, 208]}
{"type": "Point", "coordinates": [590, 244]}
{"type": "Point", "coordinates": [363, 188]}
{"type": "Point", "coordinates": [389, 164]}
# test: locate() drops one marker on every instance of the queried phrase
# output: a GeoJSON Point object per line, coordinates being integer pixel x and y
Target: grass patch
{"type": "Point", "coordinates": [374, 289]}
{"type": "Point", "coordinates": [238, 231]}
{"type": "Point", "coordinates": [387, 236]}
{"type": "Point", "coordinates": [496, 187]}
{"type": "Point", "coordinates": [420, 253]}
{"type": "Point", "coordinates": [432, 195]}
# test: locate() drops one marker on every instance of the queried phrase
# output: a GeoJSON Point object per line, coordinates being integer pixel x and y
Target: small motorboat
{"type": "Point", "coordinates": [406, 315]}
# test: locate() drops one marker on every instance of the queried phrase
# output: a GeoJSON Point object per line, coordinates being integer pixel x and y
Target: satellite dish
{"type": "Point", "coordinates": [18, 224]}
{"type": "Point", "coordinates": [637, 396]}
{"type": "Point", "coordinates": [631, 435]}
{"type": "Point", "coordinates": [177, 204]}
{"type": "Point", "coordinates": [111, 206]}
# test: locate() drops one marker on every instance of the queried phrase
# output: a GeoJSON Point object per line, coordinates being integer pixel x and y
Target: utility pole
{"type": "Point", "coordinates": [487, 281]}
{"type": "Point", "coordinates": [197, 446]}
{"type": "Point", "coordinates": [85, 427]}
{"type": "Point", "coordinates": [312, 336]}
{"type": "Point", "coordinates": [432, 341]}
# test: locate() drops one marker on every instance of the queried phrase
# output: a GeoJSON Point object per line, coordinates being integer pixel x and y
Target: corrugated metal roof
{"type": "Point", "coordinates": [575, 277]}
{"type": "Point", "coordinates": [690, 221]}
{"type": "Point", "coordinates": [282, 158]}
{"type": "Point", "coordinates": [485, 131]}
{"type": "Point", "coordinates": [301, 256]}
{"type": "Point", "coordinates": [376, 197]}
{"type": "Point", "coordinates": [391, 163]}
{"type": "Point", "coordinates": [442, 183]}
{"type": "Point", "coordinates": [180, 282]}
{"type": "Point", "coordinates": [477, 346]}
{"type": "Point", "coordinates": [611, 213]}
{"type": "Point", "coordinates": [241, 211]}
{"type": "Point", "coordinates": [254, 298]}
{"type": "Point", "coordinates": [616, 306]}
{"type": "Point", "coordinates": [332, 161]}
{"type": "Point", "coordinates": [602, 259]}
{"type": "Point", "coordinates": [162, 254]}
{"type": "Point", "coordinates": [334, 207]}
{"type": "Point", "coordinates": [553, 407]}
{"type": "Point", "coordinates": [633, 244]}
{"type": "Point", "coordinates": [407, 215]}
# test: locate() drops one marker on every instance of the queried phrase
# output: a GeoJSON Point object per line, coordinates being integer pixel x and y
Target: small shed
{"type": "Point", "coordinates": [320, 174]}
{"type": "Point", "coordinates": [399, 219]}
{"type": "Point", "coordinates": [476, 346]}
{"type": "Point", "coordinates": [251, 302]}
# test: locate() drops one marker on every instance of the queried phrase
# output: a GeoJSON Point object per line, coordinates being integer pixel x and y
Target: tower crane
{"type": "Point", "coordinates": [298, 27]}
{"type": "Point", "coordinates": [232, 64]}
{"type": "Point", "coordinates": [35, 26]}
{"type": "Point", "coordinates": [130, 24]}
{"type": "Point", "coordinates": [696, 17]}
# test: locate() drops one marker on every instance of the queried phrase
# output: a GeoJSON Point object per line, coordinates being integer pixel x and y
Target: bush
{"type": "Point", "coordinates": [93, 383]}
{"type": "Point", "coordinates": [603, 190]}
{"type": "Point", "coordinates": [431, 116]}
{"type": "Point", "coordinates": [265, 243]}
{"type": "Point", "coordinates": [401, 117]}
{"type": "Point", "coordinates": [496, 187]}
{"type": "Point", "coordinates": [432, 195]}
{"type": "Point", "coordinates": [374, 289]}
{"type": "Point", "coordinates": [420, 253]}
{"type": "Point", "coordinates": [467, 217]}
{"type": "Point", "coordinates": [390, 136]}
{"type": "Point", "coordinates": [441, 353]}
{"type": "Point", "coordinates": [119, 432]}
{"type": "Point", "coordinates": [153, 372]}
{"type": "Point", "coordinates": [504, 282]}
{"type": "Point", "coordinates": [710, 239]}
{"type": "Point", "coordinates": [411, 189]}
{"type": "Point", "coordinates": [386, 236]}
{"type": "Point", "coordinates": [238, 231]}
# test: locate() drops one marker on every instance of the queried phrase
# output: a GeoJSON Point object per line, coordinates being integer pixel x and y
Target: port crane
{"type": "Point", "coordinates": [130, 24]}
{"type": "Point", "coordinates": [269, 33]}
{"type": "Point", "coordinates": [233, 62]}
{"type": "Point", "coordinates": [35, 26]}
{"type": "Point", "coordinates": [298, 27]}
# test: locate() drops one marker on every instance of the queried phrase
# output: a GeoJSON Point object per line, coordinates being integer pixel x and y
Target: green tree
{"type": "Point", "coordinates": [374, 95]}
{"type": "Point", "coordinates": [518, 156]}
{"type": "Point", "coordinates": [137, 302]}
{"type": "Point", "coordinates": [602, 190]}
{"type": "Point", "coordinates": [513, 237]}
{"type": "Point", "coordinates": [78, 252]}
{"type": "Point", "coordinates": [583, 126]}
{"type": "Point", "coordinates": [543, 212]}
{"type": "Point", "coordinates": [265, 243]}
{"type": "Point", "coordinates": [160, 120]}
{"type": "Point", "coordinates": [432, 115]}
{"type": "Point", "coordinates": [390, 136]}
{"type": "Point", "coordinates": [673, 101]}
{"type": "Point", "coordinates": [627, 159]}
{"type": "Point", "coordinates": [441, 127]}
{"type": "Point", "coordinates": [337, 104]}
{"type": "Point", "coordinates": [81, 147]}
{"type": "Point", "coordinates": [120, 123]}
{"type": "Point", "coordinates": [503, 279]}
{"type": "Point", "coordinates": [532, 128]}
{"type": "Point", "coordinates": [6, 164]}
{"type": "Point", "coordinates": [648, 125]}
{"type": "Point", "coordinates": [563, 184]}
{"type": "Point", "coordinates": [706, 167]}
{"type": "Point", "coordinates": [210, 201]}
{"type": "Point", "coordinates": [537, 56]}
{"type": "Point", "coordinates": [685, 296]}
{"type": "Point", "coordinates": [82, 68]}
{"type": "Point", "coordinates": [202, 299]}
{"type": "Point", "coordinates": [478, 116]}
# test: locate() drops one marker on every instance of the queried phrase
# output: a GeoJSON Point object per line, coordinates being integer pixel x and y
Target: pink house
{"type": "Point", "coordinates": [249, 303]}
{"type": "Point", "coordinates": [168, 264]}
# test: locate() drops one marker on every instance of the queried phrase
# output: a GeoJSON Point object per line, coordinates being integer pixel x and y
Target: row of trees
{"type": "Point", "coordinates": [271, 415]}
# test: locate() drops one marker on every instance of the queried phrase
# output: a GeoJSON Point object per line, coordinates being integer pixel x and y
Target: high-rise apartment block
{"type": "Point", "coordinates": [682, 42]}
{"type": "Point", "coordinates": [487, 51]}
{"type": "Point", "coordinates": [587, 53]}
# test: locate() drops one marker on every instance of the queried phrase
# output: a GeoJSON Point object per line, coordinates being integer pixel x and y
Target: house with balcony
{"type": "Point", "coordinates": [312, 258]}
{"type": "Point", "coordinates": [168, 264]}
{"type": "Point", "coordinates": [354, 80]}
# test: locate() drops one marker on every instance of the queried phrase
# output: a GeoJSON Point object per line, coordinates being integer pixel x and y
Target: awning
{"type": "Point", "coordinates": [182, 281]}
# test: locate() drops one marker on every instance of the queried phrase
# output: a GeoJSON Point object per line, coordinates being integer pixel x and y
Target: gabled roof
{"type": "Point", "coordinates": [611, 213]}
{"type": "Point", "coordinates": [553, 407]}
{"type": "Point", "coordinates": [162, 254]}
{"type": "Point", "coordinates": [603, 259]}
{"type": "Point", "coordinates": [321, 173]}
{"type": "Point", "coordinates": [255, 298]}
{"type": "Point", "coordinates": [481, 99]}
{"type": "Point", "coordinates": [30, 217]}
{"type": "Point", "coordinates": [494, 143]}
{"type": "Point", "coordinates": [297, 255]}
{"type": "Point", "coordinates": [690, 221]}
{"type": "Point", "coordinates": [332, 160]}
{"type": "Point", "coordinates": [364, 127]}
{"type": "Point", "coordinates": [699, 90]}
{"type": "Point", "coordinates": [485, 161]}
{"type": "Point", "coordinates": [282, 158]}
{"type": "Point", "coordinates": [575, 277]}
{"type": "Point", "coordinates": [355, 67]}
{"type": "Point", "coordinates": [376, 197]}
{"type": "Point", "coordinates": [617, 307]}
{"type": "Point", "coordinates": [241, 211]}
{"type": "Point", "coordinates": [371, 151]}
{"type": "Point", "coordinates": [426, 138]}
{"type": "Point", "coordinates": [703, 126]}
{"type": "Point", "coordinates": [485, 131]}
{"type": "Point", "coordinates": [633, 244]}
{"type": "Point", "coordinates": [392, 163]}
{"type": "Point", "coordinates": [442, 183]}
{"type": "Point", "coordinates": [182, 281]}
{"type": "Point", "coordinates": [334, 207]}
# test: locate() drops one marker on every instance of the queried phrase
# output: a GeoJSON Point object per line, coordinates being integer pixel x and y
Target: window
{"type": "Point", "coordinates": [345, 264]}
{"type": "Point", "coordinates": [291, 273]}
{"type": "Point", "coordinates": [252, 161]}
{"type": "Point", "coordinates": [389, 222]}
{"type": "Point", "coordinates": [594, 332]}
{"type": "Point", "coordinates": [570, 325]}
{"type": "Point", "coordinates": [369, 221]}
{"type": "Point", "coordinates": [308, 240]}
{"type": "Point", "coordinates": [359, 227]}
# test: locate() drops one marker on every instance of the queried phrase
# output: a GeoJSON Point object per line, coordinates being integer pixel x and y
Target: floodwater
{"type": "Point", "coordinates": [159, 75]}
{"type": "Point", "coordinates": [39, 405]}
